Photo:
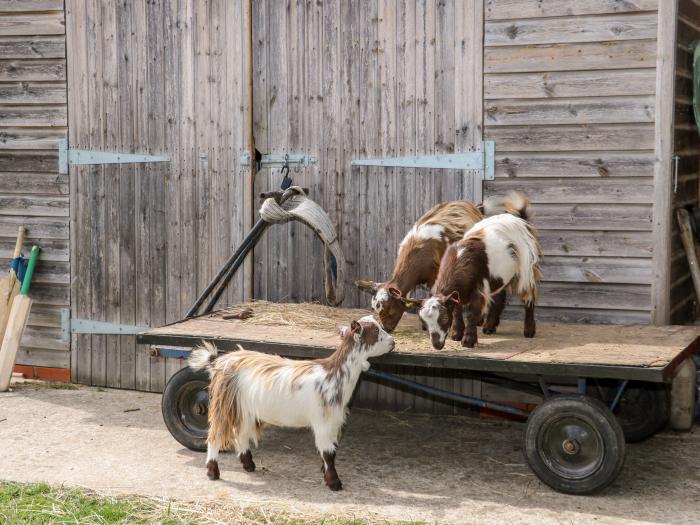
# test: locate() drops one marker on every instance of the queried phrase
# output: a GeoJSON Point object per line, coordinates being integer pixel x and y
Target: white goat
{"type": "Point", "coordinates": [250, 388]}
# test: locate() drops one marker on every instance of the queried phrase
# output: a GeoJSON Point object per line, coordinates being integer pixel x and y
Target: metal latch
{"type": "Point", "coordinates": [87, 326]}
{"type": "Point", "coordinates": [280, 160]}
{"type": "Point", "coordinates": [482, 161]}
{"type": "Point", "coordinates": [81, 157]}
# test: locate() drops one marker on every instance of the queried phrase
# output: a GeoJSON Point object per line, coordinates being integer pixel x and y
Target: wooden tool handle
{"type": "Point", "coordinates": [19, 243]}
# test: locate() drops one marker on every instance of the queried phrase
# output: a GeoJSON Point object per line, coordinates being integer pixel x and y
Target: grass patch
{"type": "Point", "coordinates": [41, 504]}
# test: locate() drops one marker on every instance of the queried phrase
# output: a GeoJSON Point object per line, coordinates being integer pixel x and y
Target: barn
{"type": "Point", "coordinates": [588, 103]}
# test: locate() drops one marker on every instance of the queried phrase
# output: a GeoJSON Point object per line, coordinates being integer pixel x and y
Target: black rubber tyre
{"type": "Point", "coordinates": [642, 410]}
{"type": "Point", "coordinates": [185, 407]}
{"type": "Point", "coordinates": [574, 444]}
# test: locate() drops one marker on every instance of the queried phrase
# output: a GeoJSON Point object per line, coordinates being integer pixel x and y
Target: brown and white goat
{"type": "Point", "coordinates": [419, 258]}
{"type": "Point", "coordinates": [498, 252]}
{"type": "Point", "coordinates": [249, 389]}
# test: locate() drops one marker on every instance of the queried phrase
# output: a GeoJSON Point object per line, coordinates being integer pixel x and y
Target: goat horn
{"type": "Point", "coordinates": [369, 287]}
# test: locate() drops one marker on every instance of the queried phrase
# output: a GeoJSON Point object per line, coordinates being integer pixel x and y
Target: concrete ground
{"type": "Point", "coordinates": [397, 467]}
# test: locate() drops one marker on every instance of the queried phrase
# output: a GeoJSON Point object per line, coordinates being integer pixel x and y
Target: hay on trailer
{"type": "Point", "coordinates": [314, 316]}
{"type": "Point", "coordinates": [304, 315]}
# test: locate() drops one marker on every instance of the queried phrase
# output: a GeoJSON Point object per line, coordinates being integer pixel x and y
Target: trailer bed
{"type": "Point", "coordinates": [645, 353]}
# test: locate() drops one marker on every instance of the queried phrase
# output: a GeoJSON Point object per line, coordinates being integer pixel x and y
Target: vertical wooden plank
{"type": "Point", "coordinates": [451, 183]}
{"type": "Point", "coordinates": [202, 119]}
{"type": "Point", "coordinates": [468, 87]}
{"type": "Point", "coordinates": [95, 185]}
{"type": "Point", "coordinates": [80, 261]}
{"type": "Point", "coordinates": [297, 238]}
{"type": "Point", "coordinates": [173, 174]}
{"type": "Point", "coordinates": [663, 168]}
{"type": "Point", "coordinates": [156, 174]}
{"type": "Point", "coordinates": [237, 138]}
{"type": "Point", "coordinates": [188, 202]}
{"type": "Point", "coordinates": [314, 128]}
{"type": "Point", "coordinates": [261, 102]}
{"type": "Point", "coordinates": [351, 180]}
{"type": "Point", "coordinates": [111, 233]}
{"type": "Point", "coordinates": [127, 188]}
{"type": "Point", "coordinates": [143, 204]}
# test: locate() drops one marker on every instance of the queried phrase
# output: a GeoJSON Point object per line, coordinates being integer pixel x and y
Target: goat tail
{"type": "Point", "coordinates": [202, 356]}
{"type": "Point", "coordinates": [514, 202]}
{"type": "Point", "coordinates": [529, 273]}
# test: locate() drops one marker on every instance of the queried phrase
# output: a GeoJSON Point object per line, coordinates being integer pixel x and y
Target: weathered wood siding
{"type": "Point", "coordinates": [686, 143]}
{"type": "Point", "coordinates": [161, 78]}
{"type": "Point", "coordinates": [349, 80]}
{"type": "Point", "coordinates": [32, 120]}
{"type": "Point", "coordinates": [569, 99]}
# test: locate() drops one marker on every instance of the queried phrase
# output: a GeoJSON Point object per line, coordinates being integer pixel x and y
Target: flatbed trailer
{"type": "Point", "coordinates": [573, 441]}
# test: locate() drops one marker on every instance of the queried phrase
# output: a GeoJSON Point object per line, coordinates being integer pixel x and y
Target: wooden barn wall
{"type": "Point", "coordinates": [569, 91]}
{"type": "Point", "coordinates": [33, 118]}
{"type": "Point", "coordinates": [686, 146]}
{"type": "Point", "coordinates": [163, 77]}
{"type": "Point", "coordinates": [345, 80]}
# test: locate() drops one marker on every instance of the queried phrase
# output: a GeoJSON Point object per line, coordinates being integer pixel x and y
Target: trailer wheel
{"type": "Point", "coordinates": [574, 444]}
{"type": "Point", "coordinates": [185, 406]}
{"type": "Point", "coordinates": [642, 410]}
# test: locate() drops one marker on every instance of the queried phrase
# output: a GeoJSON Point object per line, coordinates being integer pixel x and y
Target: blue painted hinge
{"type": "Point", "coordinates": [78, 157]}
{"type": "Point", "coordinates": [87, 326]}
{"type": "Point", "coordinates": [482, 161]}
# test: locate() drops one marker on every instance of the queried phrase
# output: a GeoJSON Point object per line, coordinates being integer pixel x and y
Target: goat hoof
{"type": "Point", "coordinates": [335, 485]}
{"type": "Point", "coordinates": [247, 462]}
{"type": "Point", "coordinates": [213, 470]}
{"type": "Point", "coordinates": [529, 333]}
{"type": "Point", "coordinates": [488, 330]}
{"type": "Point", "coordinates": [469, 342]}
{"type": "Point", "coordinates": [457, 336]}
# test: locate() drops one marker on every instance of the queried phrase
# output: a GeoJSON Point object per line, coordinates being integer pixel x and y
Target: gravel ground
{"type": "Point", "coordinates": [394, 467]}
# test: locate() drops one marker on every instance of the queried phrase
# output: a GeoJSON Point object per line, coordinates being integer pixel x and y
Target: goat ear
{"type": "Point", "coordinates": [454, 297]}
{"type": "Point", "coordinates": [395, 292]}
{"type": "Point", "coordinates": [356, 328]}
{"type": "Point", "coordinates": [369, 287]}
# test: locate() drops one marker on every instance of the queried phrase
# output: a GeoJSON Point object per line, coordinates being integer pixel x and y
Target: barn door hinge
{"type": "Point", "coordinates": [70, 325]}
{"type": "Point", "coordinates": [482, 161]}
{"type": "Point", "coordinates": [79, 157]}
{"type": "Point", "coordinates": [279, 160]}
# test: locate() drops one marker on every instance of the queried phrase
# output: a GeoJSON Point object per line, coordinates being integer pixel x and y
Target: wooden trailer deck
{"type": "Point", "coordinates": [646, 353]}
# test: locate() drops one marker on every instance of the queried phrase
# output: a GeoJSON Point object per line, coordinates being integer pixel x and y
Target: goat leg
{"type": "Point", "coordinates": [493, 318]}
{"type": "Point", "coordinates": [473, 315]}
{"type": "Point", "coordinates": [330, 476]}
{"type": "Point", "coordinates": [529, 330]}
{"type": "Point", "coordinates": [247, 461]}
{"type": "Point", "coordinates": [457, 330]}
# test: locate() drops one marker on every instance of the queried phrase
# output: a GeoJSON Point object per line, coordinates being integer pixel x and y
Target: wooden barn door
{"type": "Point", "coordinates": [162, 78]}
{"type": "Point", "coordinates": [344, 80]}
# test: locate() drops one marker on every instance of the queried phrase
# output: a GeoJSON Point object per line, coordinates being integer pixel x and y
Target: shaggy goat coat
{"type": "Point", "coordinates": [418, 258]}
{"type": "Point", "coordinates": [250, 388]}
{"type": "Point", "coordinates": [498, 252]}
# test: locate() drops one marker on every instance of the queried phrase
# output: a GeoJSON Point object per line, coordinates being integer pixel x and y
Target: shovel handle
{"type": "Point", "coordinates": [33, 256]}
{"type": "Point", "coordinates": [19, 243]}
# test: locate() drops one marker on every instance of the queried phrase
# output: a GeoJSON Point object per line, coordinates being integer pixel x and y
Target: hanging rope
{"type": "Point", "coordinates": [300, 208]}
